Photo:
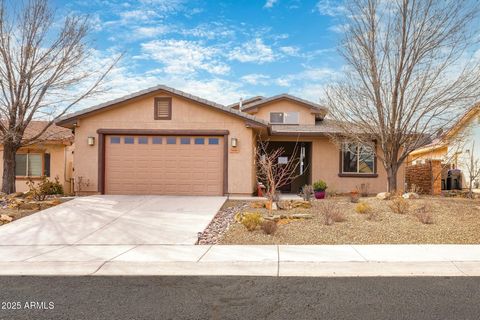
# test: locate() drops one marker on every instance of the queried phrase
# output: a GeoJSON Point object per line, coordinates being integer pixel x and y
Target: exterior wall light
{"type": "Point", "coordinates": [234, 142]}
{"type": "Point", "coordinates": [91, 141]}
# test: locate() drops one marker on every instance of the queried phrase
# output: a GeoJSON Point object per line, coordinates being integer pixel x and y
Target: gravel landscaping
{"type": "Point", "coordinates": [220, 223]}
{"type": "Point", "coordinates": [450, 220]}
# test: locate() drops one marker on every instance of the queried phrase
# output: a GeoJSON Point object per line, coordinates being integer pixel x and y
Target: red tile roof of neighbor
{"type": "Point", "coordinates": [53, 133]}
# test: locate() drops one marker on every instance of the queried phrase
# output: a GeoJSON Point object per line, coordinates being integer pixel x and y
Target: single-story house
{"type": "Point", "coordinates": [50, 156]}
{"type": "Point", "coordinates": [165, 141]}
{"type": "Point", "coordinates": [453, 149]}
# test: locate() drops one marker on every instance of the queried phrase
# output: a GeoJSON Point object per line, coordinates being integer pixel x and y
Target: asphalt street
{"type": "Point", "coordinates": [239, 298]}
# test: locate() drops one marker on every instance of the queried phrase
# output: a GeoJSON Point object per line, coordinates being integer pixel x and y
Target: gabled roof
{"type": "Point", "coordinates": [284, 96]}
{"type": "Point", "coordinates": [53, 134]}
{"type": "Point", "coordinates": [443, 140]}
{"type": "Point", "coordinates": [320, 128]}
{"type": "Point", "coordinates": [246, 102]}
{"type": "Point", "coordinates": [67, 119]}
{"type": "Point", "coordinates": [471, 112]}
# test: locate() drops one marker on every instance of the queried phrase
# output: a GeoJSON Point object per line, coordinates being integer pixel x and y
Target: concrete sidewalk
{"type": "Point", "coordinates": [267, 260]}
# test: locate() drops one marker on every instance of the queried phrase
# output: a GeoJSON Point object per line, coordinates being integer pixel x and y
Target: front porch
{"type": "Point", "coordinates": [300, 151]}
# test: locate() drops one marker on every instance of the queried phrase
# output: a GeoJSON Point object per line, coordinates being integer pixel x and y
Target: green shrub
{"type": "Point", "coordinates": [320, 185]}
{"type": "Point", "coordinates": [269, 227]}
{"type": "Point", "coordinates": [44, 188]}
{"type": "Point", "coordinates": [251, 220]}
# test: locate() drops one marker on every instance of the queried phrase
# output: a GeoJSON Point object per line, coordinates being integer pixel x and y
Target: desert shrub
{"type": "Point", "coordinates": [414, 188]}
{"type": "Point", "coordinates": [424, 215]}
{"type": "Point", "coordinates": [363, 207]}
{"type": "Point", "coordinates": [331, 213]}
{"type": "Point", "coordinates": [307, 192]}
{"type": "Point", "coordinates": [39, 191]}
{"type": "Point", "coordinates": [269, 227]}
{"type": "Point", "coordinates": [251, 220]}
{"type": "Point", "coordinates": [399, 205]}
{"type": "Point", "coordinates": [363, 189]}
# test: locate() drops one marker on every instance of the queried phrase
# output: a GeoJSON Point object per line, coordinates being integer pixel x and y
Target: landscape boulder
{"type": "Point", "coordinates": [293, 204]}
{"type": "Point", "coordinates": [410, 195]}
{"type": "Point", "coordinates": [5, 218]}
{"type": "Point", "coordinates": [383, 195]}
{"type": "Point", "coordinates": [16, 195]}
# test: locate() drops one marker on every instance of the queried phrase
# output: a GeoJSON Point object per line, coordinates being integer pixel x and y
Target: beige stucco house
{"type": "Point", "coordinates": [454, 149]}
{"type": "Point", "coordinates": [165, 141]}
{"type": "Point", "coordinates": [51, 156]}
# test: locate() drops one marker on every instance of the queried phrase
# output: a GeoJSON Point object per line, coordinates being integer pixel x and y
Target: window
{"type": "Point", "coordinates": [129, 140]}
{"type": "Point", "coordinates": [142, 140]}
{"type": "Point", "coordinates": [184, 140]}
{"type": "Point", "coordinates": [29, 164]}
{"type": "Point", "coordinates": [199, 140]}
{"type": "Point", "coordinates": [171, 140]}
{"type": "Point", "coordinates": [157, 140]}
{"type": "Point", "coordinates": [284, 117]}
{"type": "Point", "coordinates": [163, 108]}
{"type": "Point", "coordinates": [212, 140]}
{"type": "Point", "coordinates": [276, 117]}
{"type": "Point", "coordinates": [114, 140]}
{"type": "Point", "coordinates": [358, 159]}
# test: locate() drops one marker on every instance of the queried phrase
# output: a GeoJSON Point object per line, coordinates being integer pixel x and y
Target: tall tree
{"type": "Point", "coordinates": [45, 69]}
{"type": "Point", "coordinates": [410, 72]}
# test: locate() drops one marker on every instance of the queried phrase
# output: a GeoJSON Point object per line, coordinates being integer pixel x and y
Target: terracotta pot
{"type": "Point", "coordinates": [320, 194]}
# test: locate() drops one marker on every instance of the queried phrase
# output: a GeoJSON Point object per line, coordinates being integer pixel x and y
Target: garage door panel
{"type": "Point", "coordinates": [163, 168]}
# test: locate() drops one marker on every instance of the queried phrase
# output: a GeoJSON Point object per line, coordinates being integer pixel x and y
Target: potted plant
{"type": "Point", "coordinates": [354, 196]}
{"type": "Point", "coordinates": [319, 187]}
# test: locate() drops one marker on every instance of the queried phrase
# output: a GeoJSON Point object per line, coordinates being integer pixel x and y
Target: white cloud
{"type": "Point", "coordinates": [339, 28]}
{"type": "Point", "coordinates": [314, 92]}
{"type": "Point", "coordinates": [253, 51]}
{"type": "Point", "coordinates": [184, 57]}
{"type": "Point", "coordinates": [330, 8]}
{"type": "Point", "coordinates": [149, 32]}
{"type": "Point", "coordinates": [209, 31]}
{"type": "Point", "coordinates": [137, 15]}
{"type": "Point", "coordinates": [289, 50]}
{"type": "Point", "coordinates": [310, 75]}
{"type": "Point", "coordinates": [256, 79]}
{"type": "Point", "coordinates": [270, 3]}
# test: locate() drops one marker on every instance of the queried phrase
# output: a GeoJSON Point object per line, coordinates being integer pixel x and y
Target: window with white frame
{"type": "Point", "coordinates": [284, 117]}
{"type": "Point", "coordinates": [358, 158]}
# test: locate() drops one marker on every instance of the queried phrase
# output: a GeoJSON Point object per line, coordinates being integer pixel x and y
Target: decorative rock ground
{"type": "Point", "coordinates": [219, 225]}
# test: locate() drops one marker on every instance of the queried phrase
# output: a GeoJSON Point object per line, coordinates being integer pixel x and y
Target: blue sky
{"type": "Point", "coordinates": [219, 50]}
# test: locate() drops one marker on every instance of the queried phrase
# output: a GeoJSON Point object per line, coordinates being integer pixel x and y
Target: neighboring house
{"type": "Point", "coordinates": [51, 156]}
{"type": "Point", "coordinates": [165, 141]}
{"type": "Point", "coordinates": [454, 149]}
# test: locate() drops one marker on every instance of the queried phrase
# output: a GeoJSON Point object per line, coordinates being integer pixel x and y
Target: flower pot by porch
{"type": "Point", "coordinates": [320, 194]}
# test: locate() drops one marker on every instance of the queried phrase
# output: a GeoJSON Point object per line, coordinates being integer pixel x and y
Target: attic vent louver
{"type": "Point", "coordinates": [163, 108]}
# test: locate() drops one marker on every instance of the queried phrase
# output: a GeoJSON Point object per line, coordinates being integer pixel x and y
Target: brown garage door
{"type": "Point", "coordinates": [163, 165]}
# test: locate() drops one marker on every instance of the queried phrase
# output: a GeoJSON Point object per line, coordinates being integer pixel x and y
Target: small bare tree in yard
{"type": "Point", "coordinates": [271, 172]}
{"type": "Point", "coordinates": [45, 69]}
{"type": "Point", "coordinates": [410, 72]}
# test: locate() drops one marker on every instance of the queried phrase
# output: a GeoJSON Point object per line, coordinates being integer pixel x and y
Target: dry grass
{"type": "Point", "coordinates": [455, 220]}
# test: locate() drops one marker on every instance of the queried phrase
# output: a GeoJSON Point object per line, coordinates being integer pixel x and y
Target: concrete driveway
{"type": "Point", "coordinates": [115, 220]}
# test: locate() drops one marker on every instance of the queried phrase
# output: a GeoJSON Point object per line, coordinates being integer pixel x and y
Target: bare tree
{"type": "Point", "coordinates": [45, 69]}
{"type": "Point", "coordinates": [472, 164]}
{"type": "Point", "coordinates": [273, 173]}
{"type": "Point", "coordinates": [409, 73]}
